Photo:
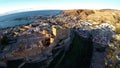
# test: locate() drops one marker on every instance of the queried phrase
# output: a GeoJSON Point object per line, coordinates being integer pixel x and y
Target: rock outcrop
{"type": "Point", "coordinates": [40, 42]}
{"type": "Point", "coordinates": [103, 26]}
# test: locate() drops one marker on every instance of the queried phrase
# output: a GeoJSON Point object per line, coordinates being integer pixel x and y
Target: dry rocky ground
{"type": "Point", "coordinates": [31, 40]}
{"type": "Point", "coordinates": [108, 19]}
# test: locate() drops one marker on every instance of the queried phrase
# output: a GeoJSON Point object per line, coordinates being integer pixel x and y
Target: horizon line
{"type": "Point", "coordinates": [32, 9]}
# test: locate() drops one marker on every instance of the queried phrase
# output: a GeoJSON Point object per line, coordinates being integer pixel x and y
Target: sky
{"type": "Point", "coordinates": [7, 6]}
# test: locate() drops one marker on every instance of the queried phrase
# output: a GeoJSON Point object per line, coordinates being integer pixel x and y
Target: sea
{"type": "Point", "coordinates": [7, 20]}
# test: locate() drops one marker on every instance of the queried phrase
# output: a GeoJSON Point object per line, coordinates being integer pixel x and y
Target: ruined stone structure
{"type": "Point", "coordinates": [60, 32]}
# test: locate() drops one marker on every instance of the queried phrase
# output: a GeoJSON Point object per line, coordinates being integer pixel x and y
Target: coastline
{"type": "Point", "coordinates": [31, 39]}
{"type": "Point", "coordinates": [24, 16]}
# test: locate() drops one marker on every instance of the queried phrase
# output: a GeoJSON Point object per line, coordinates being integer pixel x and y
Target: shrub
{"type": "Point", "coordinates": [4, 40]}
{"type": "Point", "coordinates": [117, 30]}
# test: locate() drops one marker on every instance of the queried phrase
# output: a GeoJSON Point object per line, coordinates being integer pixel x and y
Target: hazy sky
{"type": "Point", "coordinates": [15, 5]}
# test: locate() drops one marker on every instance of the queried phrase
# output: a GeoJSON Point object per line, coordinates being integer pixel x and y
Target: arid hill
{"type": "Point", "coordinates": [96, 17]}
{"type": "Point", "coordinates": [108, 16]}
